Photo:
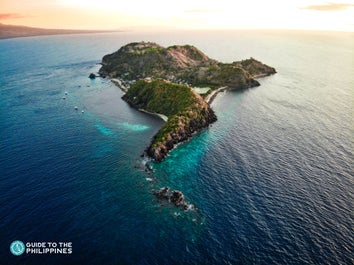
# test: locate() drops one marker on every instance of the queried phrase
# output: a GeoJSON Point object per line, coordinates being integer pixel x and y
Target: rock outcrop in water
{"type": "Point", "coordinates": [92, 76]}
{"type": "Point", "coordinates": [165, 77]}
{"type": "Point", "coordinates": [174, 197]}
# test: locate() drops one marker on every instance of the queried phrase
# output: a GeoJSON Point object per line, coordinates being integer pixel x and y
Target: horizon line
{"type": "Point", "coordinates": [159, 28]}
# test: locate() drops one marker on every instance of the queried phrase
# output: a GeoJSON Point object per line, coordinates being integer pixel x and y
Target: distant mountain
{"type": "Point", "coordinates": [12, 31]}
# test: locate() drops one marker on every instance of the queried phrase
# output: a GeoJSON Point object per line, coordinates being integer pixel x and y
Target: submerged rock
{"type": "Point", "coordinates": [148, 167]}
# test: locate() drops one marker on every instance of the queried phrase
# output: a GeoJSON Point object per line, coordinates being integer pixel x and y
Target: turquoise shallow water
{"type": "Point", "coordinates": [271, 179]}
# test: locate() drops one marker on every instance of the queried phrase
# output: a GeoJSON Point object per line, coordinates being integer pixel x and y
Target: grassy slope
{"type": "Point", "coordinates": [160, 96]}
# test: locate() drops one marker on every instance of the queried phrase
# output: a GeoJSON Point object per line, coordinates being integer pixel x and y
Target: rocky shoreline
{"type": "Point", "coordinates": [185, 132]}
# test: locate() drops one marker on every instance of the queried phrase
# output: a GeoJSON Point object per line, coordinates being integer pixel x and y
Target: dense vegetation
{"type": "Point", "coordinates": [255, 68]}
{"type": "Point", "coordinates": [218, 75]}
{"type": "Point", "coordinates": [160, 96]}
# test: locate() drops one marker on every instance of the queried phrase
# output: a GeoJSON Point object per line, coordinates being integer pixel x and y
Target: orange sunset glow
{"type": "Point", "coordinates": [206, 14]}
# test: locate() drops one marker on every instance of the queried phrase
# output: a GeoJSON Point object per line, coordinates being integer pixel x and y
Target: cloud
{"type": "Point", "coordinates": [4, 16]}
{"type": "Point", "coordinates": [328, 7]}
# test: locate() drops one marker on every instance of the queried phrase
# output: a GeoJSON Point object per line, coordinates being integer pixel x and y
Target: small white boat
{"type": "Point", "coordinates": [76, 108]}
{"type": "Point", "coordinates": [64, 97]}
{"type": "Point", "coordinates": [66, 92]}
{"type": "Point", "coordinates": [82, 111]}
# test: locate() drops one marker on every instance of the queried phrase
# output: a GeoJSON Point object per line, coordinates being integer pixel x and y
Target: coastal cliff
{"type": "Point", "coordinates": [160, 80]}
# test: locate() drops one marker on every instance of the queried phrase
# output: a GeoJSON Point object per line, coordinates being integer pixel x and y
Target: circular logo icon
{"type": "Point", "coordinates": [17, 248]}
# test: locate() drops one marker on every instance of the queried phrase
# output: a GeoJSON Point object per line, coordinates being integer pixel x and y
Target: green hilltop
{"type": "Point", "coordinates": [182, 64]}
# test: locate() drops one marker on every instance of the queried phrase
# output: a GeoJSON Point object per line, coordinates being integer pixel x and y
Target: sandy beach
{"type": "Point", "coordinates": [163, 117]}
{"type": "Point", "coordinates": [209, 99]}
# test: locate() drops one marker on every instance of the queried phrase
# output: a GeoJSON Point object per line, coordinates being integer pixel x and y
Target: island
{"type": "Point", "coordinates": [178, 83]}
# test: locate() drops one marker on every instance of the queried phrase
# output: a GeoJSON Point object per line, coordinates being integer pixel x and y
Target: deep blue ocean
{"type": "Point", "coordinates": [272, 179]}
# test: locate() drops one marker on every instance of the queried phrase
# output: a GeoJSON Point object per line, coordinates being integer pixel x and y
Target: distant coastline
{"type": "Point", "coordinates": [13, 31]}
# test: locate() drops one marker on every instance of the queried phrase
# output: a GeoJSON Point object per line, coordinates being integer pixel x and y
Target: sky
{"type": "Point", "coordinates": [180, 14]}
